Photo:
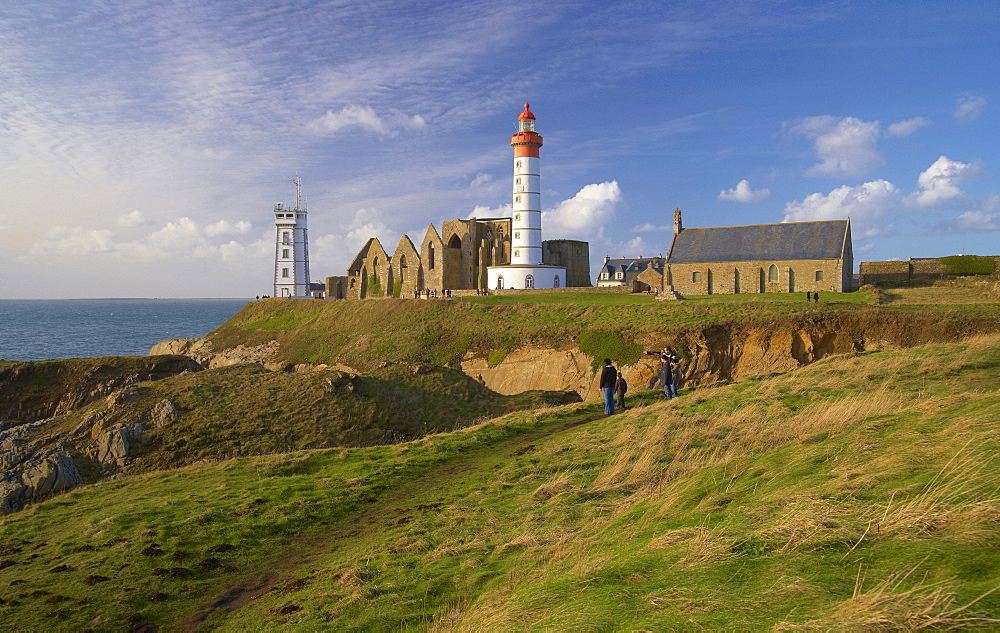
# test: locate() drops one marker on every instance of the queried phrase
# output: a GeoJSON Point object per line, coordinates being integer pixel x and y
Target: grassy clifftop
{"type": "Point", "coordinates": [859, 492]}
{"type": "Point", "coordinates": [362, 334]}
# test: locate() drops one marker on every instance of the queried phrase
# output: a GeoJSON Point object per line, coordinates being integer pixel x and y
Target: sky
{"type": "Point", "coordinates": [143, 143]}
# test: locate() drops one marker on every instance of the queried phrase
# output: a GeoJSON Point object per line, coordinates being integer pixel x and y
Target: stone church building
{"type": "Point", "coordinates": [457, 258]}
{"type": "Point", "coordinates": [786, 257]}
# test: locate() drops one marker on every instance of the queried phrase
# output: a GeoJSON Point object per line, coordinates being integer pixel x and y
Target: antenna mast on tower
{"type": "Point", "coordinates": [298, 192]}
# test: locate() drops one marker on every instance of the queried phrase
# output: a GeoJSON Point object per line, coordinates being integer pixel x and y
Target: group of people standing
{"type": "Point", "coordinates": [613, 383]}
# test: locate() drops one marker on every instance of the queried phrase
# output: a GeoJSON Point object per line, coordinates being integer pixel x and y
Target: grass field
{"type": "Point", "coordinates": [860, 492]}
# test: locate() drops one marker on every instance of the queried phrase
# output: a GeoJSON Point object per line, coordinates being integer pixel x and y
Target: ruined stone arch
{"type": "Point", "coordinates": [455, 241]}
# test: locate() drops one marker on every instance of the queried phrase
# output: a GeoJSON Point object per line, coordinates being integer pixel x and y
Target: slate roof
{"type": "Point", "coordinates": [634, 264]}
{"type": "Point", "coordinates": [760, 242]}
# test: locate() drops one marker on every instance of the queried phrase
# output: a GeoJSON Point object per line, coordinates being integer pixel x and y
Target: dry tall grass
{"type": "Point", "coordinates": [891, 607]}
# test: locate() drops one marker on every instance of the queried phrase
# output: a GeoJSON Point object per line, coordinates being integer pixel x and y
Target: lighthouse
{"type": "Point", "coordinates": [291, 248]}
{"type": "Point", "coordinates": [526, 269]}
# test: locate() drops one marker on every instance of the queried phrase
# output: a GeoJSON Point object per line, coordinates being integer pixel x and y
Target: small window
{"type": "Point", "coordinates": [284, 237]}
{"type": "Point", "coordinates": [517, 199]}
{"type": "Point", "coordinates": [284, 272]}
{"type": "Point", "coordinates": [819, 275]}
{"type": "Point", "coordinates": [518, 180]}
{"type": "Point", "coordinates": [555, 282]}
{"type": "Point", "coordinates": [696, 277]}
{"type": "Point", "coordinates": [772, 273]}
{"type": "Point", "coordinates": [517, 216]}
{"type": "Point", "coordinates": [517, 235]}
{"type": "Point", "coordinates": [619, 275]}
{"type": "Point", "coordinates": [604, 275]}
{"type": "Point", "coordinates": [529, 282]}
{"type": "Point", "coordinates": [284, 253]}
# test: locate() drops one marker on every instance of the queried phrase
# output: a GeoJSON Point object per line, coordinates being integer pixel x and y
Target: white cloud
{"type": "Point", "coordinates": [367, 119]}
{"type": "Point", "coordinates": [649, 228]}
{"type": "Point", "coordinates": [224, 227]}
{"type": "Point", "coordinates": [940, 182]}
{"type": "Point", "coordinates": [907, 127]}
{"type": "Point", "coordinates": [585, 214]}
{"type": "Point", "coordinates": [982, 220]}
{"type": "Point", "coordinates": [481, 211]}
{"type": "Point", "coordinates": [844, 145]}
{"type": "Point", "coordinates": [968, 107]}
{"type": "Point", "coordinates": [75, 240]}
{"type": "Point", "coordinates": [635, 247]}
{"type": "Point", "coordinates": [743, 193]}
{"type": "Point", "coordinates": [865, 204]}
{"type": "Point", "coordinates": [331, 253]}
{"type": "Point", "coordinates": [481, 179]}
{"type": "Point", "coordinates": [135, 218]}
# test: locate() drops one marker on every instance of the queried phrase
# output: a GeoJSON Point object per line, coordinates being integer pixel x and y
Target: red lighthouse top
{"type": "Point", "coordinates": [526, 142]}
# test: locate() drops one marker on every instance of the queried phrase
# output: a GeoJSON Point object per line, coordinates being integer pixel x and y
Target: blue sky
{"type": "Point", "coordinates": [143, 143]}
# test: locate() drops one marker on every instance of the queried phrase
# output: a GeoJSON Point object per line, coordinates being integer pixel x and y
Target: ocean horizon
{"type": "Point", "coordinates": [43, 329]}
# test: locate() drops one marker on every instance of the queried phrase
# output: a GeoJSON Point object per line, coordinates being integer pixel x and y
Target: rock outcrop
{"type": "Point", "coordinates": [29, 472]}
{"type": "Point", "coordinates": [720, 353]}
{"type": "Point", "coordinates": [201, 350]}
{"type": "Point", "coordinates": [43, 389]}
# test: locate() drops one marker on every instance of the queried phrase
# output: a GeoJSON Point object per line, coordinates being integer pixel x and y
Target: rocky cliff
{"type": "Point", "coordinates": [39, 455]}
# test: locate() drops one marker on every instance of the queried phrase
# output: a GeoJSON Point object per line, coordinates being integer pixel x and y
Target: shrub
{"type": "Point", "coordinates": [496, 357]}
{"type": "Point", "coordinates": [965, 265]}
{"type": "Point", "coordinates": [611, 344]}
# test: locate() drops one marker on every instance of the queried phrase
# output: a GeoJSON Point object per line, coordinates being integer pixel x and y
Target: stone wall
{"type": "Point", "coordinates": [573, 255]}
{"type": "Point", "coordinates": [826, 275]}
{"type": "Point", "coordinates": [336, 287]}
{"type": "Point", "coordinates": [650, 279]}
{"type": "Point", "coordinates": [890, 273]}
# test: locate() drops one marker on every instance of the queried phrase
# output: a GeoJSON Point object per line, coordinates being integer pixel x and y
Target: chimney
{"type": "Point", "coordinates": [678, 227]}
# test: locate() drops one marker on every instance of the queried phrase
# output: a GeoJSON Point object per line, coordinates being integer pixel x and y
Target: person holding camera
{"type": "Point", "coordinates": [669, 371]}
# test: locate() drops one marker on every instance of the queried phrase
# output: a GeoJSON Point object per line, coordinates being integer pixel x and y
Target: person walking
{"type": "Point", "coordinates": [621, 387]}
{"type": "Point", "coordinates": [608, 377]}
{"type": "Point", "coordinates": [808, 296]}
{"type": "Point", "coordinates": [816, 297]}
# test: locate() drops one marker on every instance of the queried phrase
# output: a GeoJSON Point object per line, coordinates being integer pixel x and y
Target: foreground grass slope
{"type": "Point", "coordinates": [860, 491]}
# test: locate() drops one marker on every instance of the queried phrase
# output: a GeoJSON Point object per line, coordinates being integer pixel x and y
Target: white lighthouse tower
{"type": "Point", "coordinates": [526, 269]}
{"type": "Point", "coordinates": [291, 248]}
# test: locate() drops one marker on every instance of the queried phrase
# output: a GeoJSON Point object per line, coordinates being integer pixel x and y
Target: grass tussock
{"type": "Point", "coordinates": [899, 604]}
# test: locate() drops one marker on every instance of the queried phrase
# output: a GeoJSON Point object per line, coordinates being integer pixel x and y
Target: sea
{"type": "Point", "coordinates": [87, 328]}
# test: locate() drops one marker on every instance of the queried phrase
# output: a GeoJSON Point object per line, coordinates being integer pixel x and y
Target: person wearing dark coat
{"type": "Point", "coordinates": [816, 297]}
{"type": "Point", "coordinates": [621, 388]}
{"type": "Point", "coordinates": [675, 376]}
{"type": "Point", "coordinates": [666, 377]}
{"type": "Point", "coordinates": [609, 375]}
